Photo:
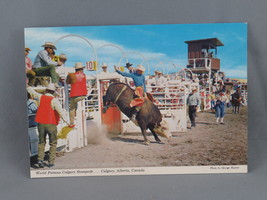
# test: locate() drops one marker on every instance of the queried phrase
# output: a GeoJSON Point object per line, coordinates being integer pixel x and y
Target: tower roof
{"type": "Point", "coordinates": [213, 41]}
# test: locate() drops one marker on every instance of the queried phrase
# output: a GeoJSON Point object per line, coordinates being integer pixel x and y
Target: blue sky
{"type": "Point", "coordinates": [154, 46]}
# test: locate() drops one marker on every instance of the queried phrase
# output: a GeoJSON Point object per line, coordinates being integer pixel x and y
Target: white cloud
{"type": "Point", "coordinates": [225, 37]}
{"type": "Point", "coordinates": [238, 72]}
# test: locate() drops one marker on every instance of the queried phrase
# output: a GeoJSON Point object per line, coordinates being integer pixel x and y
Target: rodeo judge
{"type": "Point", "coordinates": [140, 90]}
{"type": "Point", "coordinates": [48, 115]}
{"type": "Point", "coordinates": [193, 101]}
{"type": "Point", "coordinates": [78, 89]}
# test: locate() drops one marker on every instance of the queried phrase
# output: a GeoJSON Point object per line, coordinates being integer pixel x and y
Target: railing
{"type": "Point", "coordinates": [92, 101]}
{"type": "Point", "coordinates": [171, 97]}
{"type": "Point", "coordinates": [200, 62]}
{"type": "Point", "coordinates": [206, 63]}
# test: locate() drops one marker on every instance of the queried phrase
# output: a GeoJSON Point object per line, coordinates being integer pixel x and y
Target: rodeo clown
{"type": "Point", "coordinates": [140, 86]}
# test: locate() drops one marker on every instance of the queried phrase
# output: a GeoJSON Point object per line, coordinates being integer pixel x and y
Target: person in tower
{"type": "Point", "coordinates": [78, 89]}
{"type": "Point", "coordinates": [140, 87]}
{"type": "Point", "coordinates": [48, 115]}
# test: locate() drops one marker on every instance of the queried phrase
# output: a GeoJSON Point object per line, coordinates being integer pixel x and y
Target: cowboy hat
{"type": "Point", "coordinates": [27, 49]}
{"type": "Point", "coordinates": [140, 68]}
{"type": "Point", "coordinates": [51, 87]}
{"type": "Point", "coordinates": [194, 88]}
{"type": "Point", "coordinates": [50, 45]}
{"type": "Point", "coordinates": [104, 65]}
{"type": "Point", "coordinates": [128, 65]}
{"type": "Point", "coordinates": [63, 56]}
{"type": "Point", "coordinates": [78, 66]}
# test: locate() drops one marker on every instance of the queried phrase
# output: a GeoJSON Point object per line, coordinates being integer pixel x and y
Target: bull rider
{"type": "Point", "coordinates": [140, 87]}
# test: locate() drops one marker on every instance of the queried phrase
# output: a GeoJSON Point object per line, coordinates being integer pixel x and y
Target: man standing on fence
{"type": "Point", "coordinates": [48, 115]}
{"type": "Point", "coordinates": [193, 101]}
{"type": "Point", "coordinates": [78, 89]}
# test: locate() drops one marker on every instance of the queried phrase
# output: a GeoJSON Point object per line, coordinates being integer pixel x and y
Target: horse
{"type": "Point", "coordinates": [236, 100]}
{"type": "Point", "coordinates": [148, 117]}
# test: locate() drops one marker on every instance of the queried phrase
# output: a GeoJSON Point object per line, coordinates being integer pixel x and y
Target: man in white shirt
{"type": "Point", "coordinates": [48, 115]}
{"type": "Point", "coordinates": [104, 68]}
{"type": "Point", "coordinates": [159, 79]}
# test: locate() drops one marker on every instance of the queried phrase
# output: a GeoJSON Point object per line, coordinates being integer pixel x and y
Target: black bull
{"type": "Point", "coordinates": [149, 116]}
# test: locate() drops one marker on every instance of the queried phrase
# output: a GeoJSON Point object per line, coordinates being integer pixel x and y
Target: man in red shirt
{"type": "Point", "coordinates": [78, 89]}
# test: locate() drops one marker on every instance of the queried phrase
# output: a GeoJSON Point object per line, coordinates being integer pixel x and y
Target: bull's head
{"type": "Point", "coordinates": [163, 130]}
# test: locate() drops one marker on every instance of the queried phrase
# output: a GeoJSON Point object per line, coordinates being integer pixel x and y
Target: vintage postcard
{"type": "Point", "coordinates": [137, 99]}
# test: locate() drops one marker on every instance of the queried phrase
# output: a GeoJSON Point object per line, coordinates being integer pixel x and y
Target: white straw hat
{"type": "Point", "coordinates": [63, 56]}
{"type": "Point", "coordinates": [51, 87]}
{"type": "Point", "coordinates": [50, 44]}
{"type": "Point", "coordinates": [104, 65]}
{"type": "Point", "coordinates": [140, 68]}
{"type": "Point", "coordinates": [78, 66]}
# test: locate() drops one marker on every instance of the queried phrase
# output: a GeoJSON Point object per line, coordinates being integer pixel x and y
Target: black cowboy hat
{"type": "Point", "coordinates": [128, 65]}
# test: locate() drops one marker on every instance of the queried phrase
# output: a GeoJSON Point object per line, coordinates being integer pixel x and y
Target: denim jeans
{"type": "Point", "coordinates": [49, 70]}
{"type": "Point", "coordinates": [220, 110]}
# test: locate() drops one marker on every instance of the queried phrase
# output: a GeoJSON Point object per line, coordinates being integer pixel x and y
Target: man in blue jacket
{"type": "Point", "coordinates": [140, 90]}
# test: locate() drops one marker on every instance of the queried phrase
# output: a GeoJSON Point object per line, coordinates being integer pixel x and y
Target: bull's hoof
{"type": "Point", "coordinates": [158, 141]}
{"type": "Point", "coordinates": [147, 142]}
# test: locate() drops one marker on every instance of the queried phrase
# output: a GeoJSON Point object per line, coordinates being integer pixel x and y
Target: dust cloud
{"type": "Point", "coordinates": [97, 134]}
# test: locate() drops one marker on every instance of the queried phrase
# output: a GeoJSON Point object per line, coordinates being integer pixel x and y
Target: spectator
{"type": "Point", "coordinates": [32, 109]}
{"type": "Point", "coordinates": [63, 58]}
{"type": "Point", "coordinates": [220, 107]}
{"type": "Point", "coordinates": [193, 101]}
{"type": "Point", "coordinates": [104, 68]}
{"type": "Point", "coordinates": [29, 72]}
{"type": "Point", "coordinates": [43, 64]}
{"type": "Point", "coordinates": [159, 79]}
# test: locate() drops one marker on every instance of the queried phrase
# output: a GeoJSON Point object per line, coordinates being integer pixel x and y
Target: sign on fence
{"type": "Point", "coordinates": [91, 65]}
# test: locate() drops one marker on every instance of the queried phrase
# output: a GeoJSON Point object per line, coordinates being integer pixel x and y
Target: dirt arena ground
{"type": "Point", "coordinates": [207, 144]}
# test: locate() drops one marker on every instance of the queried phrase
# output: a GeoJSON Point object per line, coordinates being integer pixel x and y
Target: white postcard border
{"type": "Point", "coordinates": [218, 169]}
